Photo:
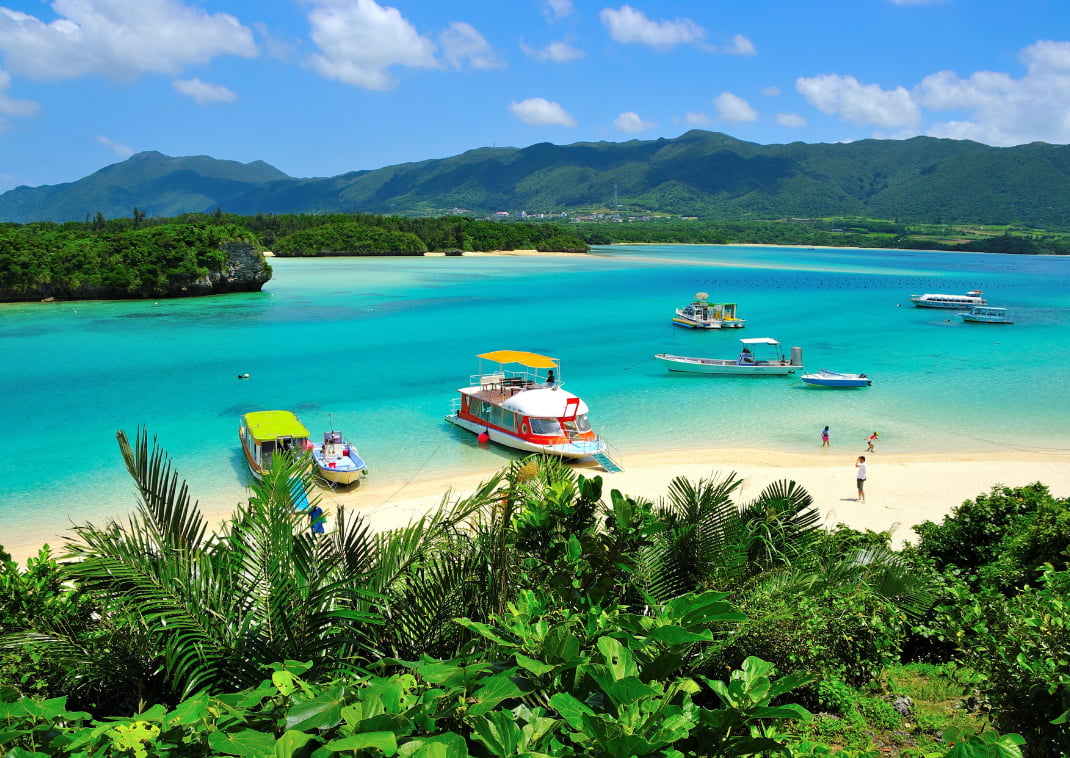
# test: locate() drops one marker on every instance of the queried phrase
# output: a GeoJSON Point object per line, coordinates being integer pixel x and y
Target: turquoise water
{"type": "Point", "coordinates": [383, 345]}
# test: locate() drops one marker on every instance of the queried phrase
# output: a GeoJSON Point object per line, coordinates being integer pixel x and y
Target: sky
{"type": "Point", "coordinates": [323, 87]}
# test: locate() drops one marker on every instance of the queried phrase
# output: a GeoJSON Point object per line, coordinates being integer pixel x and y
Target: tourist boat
{"type": "Point", "coordinates": [700, 313]}
{"type": "Point", "coordinates": [986, 314]}
{"type": "Point", "coordinates": [516, 400]}
{"type": "Point", "coordinates": [826, 378]}
{"type": "Point", "coordinates": [970, 299]}
{"type": "Point", "coordinates": [337, 460]}
{"type": "Point", "coordinates": [747, 364]}
{"type": "Point", "coordinates": [265, 434]}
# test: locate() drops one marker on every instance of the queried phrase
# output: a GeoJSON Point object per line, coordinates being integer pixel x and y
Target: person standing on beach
{"type": "Point", "coordinates": [860, 464]}
{"type": "Point", "coordinates": [872, 438]}
{"type": "Point", "coordinates": [825, 437]}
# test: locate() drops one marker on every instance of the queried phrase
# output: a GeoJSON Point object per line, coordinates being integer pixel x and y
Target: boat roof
{"type": "Point", "coordinates": [531, 360]}
{"type": "Point", "coordinates": [543, 402]}
{"type": "Point", "coordinates": [759, 341]}
{"type": "Point", "coordinates": [270, 425]}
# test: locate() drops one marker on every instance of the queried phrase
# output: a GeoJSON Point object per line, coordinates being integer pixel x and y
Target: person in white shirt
{"type": "Point", "coordinates": [860, 464]}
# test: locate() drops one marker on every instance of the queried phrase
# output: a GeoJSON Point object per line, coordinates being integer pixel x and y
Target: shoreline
{"type": "Point", "coordinates": [903, 489]}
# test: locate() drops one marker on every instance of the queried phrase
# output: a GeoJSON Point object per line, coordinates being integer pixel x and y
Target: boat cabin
{"type": "Point", "coordinates": [265, 434]}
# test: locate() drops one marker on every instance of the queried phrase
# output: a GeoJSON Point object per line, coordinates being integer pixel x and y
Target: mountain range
{"type": "Point", "coordinates": [705, 174]}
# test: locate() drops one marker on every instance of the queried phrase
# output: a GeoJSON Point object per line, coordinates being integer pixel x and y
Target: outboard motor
{"type": "Point", "coordinates": [796, 356]}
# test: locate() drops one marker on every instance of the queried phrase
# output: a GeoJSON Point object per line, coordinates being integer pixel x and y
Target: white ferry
{"type": "Point", "coordinates": [518, 401]}
{"type": "Point", "coordinates": [970, 299]}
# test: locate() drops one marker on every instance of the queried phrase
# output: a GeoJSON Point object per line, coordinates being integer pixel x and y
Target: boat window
{"type": "Point", "coordinates": [545, 426]}
{"type": "Point", "coordinates": [579, 424]}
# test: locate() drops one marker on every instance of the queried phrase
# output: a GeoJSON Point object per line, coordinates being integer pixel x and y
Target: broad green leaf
{"type": "Point", "coordinates": [247, 742]}
{"type": "Point", "coordinates": [676, 635]}
{"type": "Point", "coordinates": [536, 667]}
{"type": "Point", "coordinates": [386, 742]}
{"type": "Point", "coordinates": [618, 658]}
{"type": "Point", "coordinates": [321, 712]}
{"type": "Point", "coordinates": [290, 742]}
{"type": "Point", "coordinates": [498, 732]}
{"type": "Point", "coordinates": [189, 711]}
{"type": "Point", "coordinates": [448, 745]}
{"type": "Point", "coordinates": [571, 709]}
{"type": "Point", "coordinates": [494, 690]}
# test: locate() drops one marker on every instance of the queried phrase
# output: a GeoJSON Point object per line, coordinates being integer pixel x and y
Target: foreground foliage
{"type": "Point", "coordinates": [535, 617]}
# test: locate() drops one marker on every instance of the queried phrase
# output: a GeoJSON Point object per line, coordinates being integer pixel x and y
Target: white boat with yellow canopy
{"type": "Point", "coordinates": [265, 434]}
{"type": "Point", "coordinates": [516, 399]}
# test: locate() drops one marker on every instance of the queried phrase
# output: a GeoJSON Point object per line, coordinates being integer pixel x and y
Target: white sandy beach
{"type": "Point", "coordinates": [902, 490]}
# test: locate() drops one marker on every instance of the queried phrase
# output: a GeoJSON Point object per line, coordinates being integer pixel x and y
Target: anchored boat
{"type": "Point", "coordinates": [747, 364]}
{"type": "Point", "coordinates": [265, 434]}
{"type": "Point", "coordinates": [517, 400]}
{"type": "Point", "coordinates": [700, 313]}
{"type": "Point", "coordinates": [986, 314]}
{"type": "Point", "coordinates": [826, 378]}
{"type": "Point", "coordinates": [337, 460]}
{"type": "Point", "coordinates": [971, 298]}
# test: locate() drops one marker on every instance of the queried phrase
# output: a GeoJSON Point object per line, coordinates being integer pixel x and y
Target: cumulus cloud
{"type": "Point", "coordinates": [628, 25]}
{"type": "Point", "coordinates": [359, 41]}
{"type": "Point", "coordinates": [740, 46]}
{"type": "Point", "coordinates": [696, 119]}
{"type": "Point", "coordinates": [555, 52]}
{"type": "Point", "coordinates": [791, 120]}
{"type": "Point", "coordinates": [734, 108]}
{"type": "Point", "coordinates": [118, 39]}
{"type": "Point", "coordinates": [1002, 110]}
{"type": "Point", "coordinates": [631, 122]}
{"type": "Point", "coordinates": [462, 43]}
{"type": "Point", "coordinates": [12, 107]}
{"type": "Point", "coordinates": [123, 151]}
{"type": "Point", "coordinates": [861, 103]}
{"type": "Point", "coordinates": [538, 111]}
{"type": "Point", "coordinates": [557, 9]}
{"type": "Point", "coordinates": [203, 93]}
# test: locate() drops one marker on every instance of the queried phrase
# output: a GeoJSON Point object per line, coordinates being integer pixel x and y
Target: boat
{"type": "Point", "coordinates": [265, 434]}
{"type": "Point", "coordinates": [826, 378]}
{"type": "Point", "coordinates": [337, 460]}
{"type": "Point", "coordinates": [986, 314]}
{"type": "Point", "coordinates": [970, 299]}
{"type": "Point", "coordinates": [700, 313]}
{"type": "Point", "coordinates": [747, 364]}
{"type": "Point", "coordinates": [516, 400]}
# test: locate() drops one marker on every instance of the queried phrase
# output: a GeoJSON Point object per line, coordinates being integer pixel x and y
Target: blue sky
{"type": "Point", "coordinates": [322, 87]}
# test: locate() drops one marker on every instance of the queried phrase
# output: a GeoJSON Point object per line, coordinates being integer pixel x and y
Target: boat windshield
{"type": "Point", "coordinates": [545, 426]}
{"type": "Point", "coordinates": [579, 424]}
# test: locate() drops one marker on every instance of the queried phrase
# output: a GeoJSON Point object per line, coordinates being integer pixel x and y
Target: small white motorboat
{"type": "Point", "coordinates": [826, 378]}
{"type": "Point", "coordinates": [747, 364]}
{"type": "Point", "coordinates": [986, 314]}
{"type": "Point", "coordinates": [337, 460]}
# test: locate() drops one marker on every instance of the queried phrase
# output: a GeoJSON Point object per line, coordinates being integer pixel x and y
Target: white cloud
{"type": "Point", "coordinates": [734, 108]}
{"type": "Point", "coordinates": [12, 107]}
{"type": "Point", "coordinates": [555, 52]}
{"type": "Point", "coordinates": [740, 46]}
{"type": "Point", "coordinates": [118, 39]}
{"type": "Point", "coordinates": [1001, 110]}
{"type": "Point", "coordinates": [538, 111]}
{"type": "Point", "coordinates": [359, 41]}
{"type": "Point", "coordinates": [860, 103]}
{"type": "Point", "coordinates": [631, 122]}
{"type": "Point", "coordinates": [123, 151]}
{"type": "Point", "coordinates": [462, 42]}
{"type": "Point", "coordinates": [203, 93]}
{"type": "Point", "coordinates": [696, 119]}
{"type": "Point", "coordinates": [791, 120]}
{"type": "Point", "coordinates": [629, 25]}
{"type": "Point", "coordinates": [771, 91]}
{"type": "Point", "coordinates": [557, 9]}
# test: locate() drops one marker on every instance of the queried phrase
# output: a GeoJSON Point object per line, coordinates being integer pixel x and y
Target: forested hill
{"type": "Point", "coordinates": [704, 174]}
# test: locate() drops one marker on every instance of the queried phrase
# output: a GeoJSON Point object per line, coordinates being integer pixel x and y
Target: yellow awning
{"type": "Point", "coordinates": [531, 360]}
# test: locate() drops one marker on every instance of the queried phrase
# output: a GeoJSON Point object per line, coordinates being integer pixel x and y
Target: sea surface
{"type": "Point", "coordinates": [380, 346]}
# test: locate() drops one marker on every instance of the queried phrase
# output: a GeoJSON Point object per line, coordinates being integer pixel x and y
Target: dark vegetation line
{"type": "Point", "coordinates": [540, 616]}
{"type": "Point", "coordinates": [198, 254]}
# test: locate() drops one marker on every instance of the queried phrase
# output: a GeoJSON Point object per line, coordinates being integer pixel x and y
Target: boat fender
{"type": "Point", "coordinates": [484, 436]}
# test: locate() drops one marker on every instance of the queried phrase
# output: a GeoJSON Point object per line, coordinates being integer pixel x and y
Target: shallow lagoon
{"type": "Point", "coordinates": [383, 344]}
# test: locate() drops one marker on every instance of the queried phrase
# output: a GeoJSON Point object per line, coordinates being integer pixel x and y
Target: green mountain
{"type": "Point", "coordinates": [705, 174]}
